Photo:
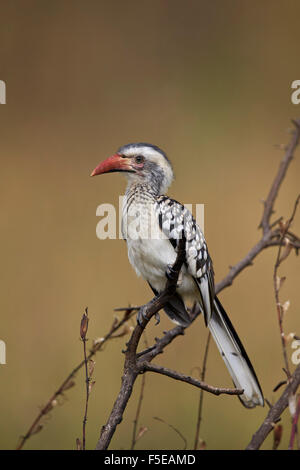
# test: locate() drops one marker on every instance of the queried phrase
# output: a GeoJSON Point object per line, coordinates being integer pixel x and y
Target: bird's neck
{"type": "Point", "coordinates": [137, 214]}
{"type": "Point", "coordinates": [141, 192]}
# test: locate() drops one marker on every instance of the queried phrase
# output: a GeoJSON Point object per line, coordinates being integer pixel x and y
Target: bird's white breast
{"type": "Point", "coordinates": [149, 250]}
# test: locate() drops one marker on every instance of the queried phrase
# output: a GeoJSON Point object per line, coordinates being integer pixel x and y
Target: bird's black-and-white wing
{"type": "Point", "coordinates": [175, 220]}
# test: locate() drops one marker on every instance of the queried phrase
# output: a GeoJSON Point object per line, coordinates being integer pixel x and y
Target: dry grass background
{"type": "Point", "coordinates": [209, 82]}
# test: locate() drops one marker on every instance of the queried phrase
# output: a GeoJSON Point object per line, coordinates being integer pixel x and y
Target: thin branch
{"type": "Point", "coordinates": [269, 203]}
{"type": "Point", "coordinates": [271, 238]}
{"type": "Point", "coordinates": [83, 332]}
{"type": "Point", "coordinates": [201, 398]}
{"type": "Point", "coordinates": [139, 405]}
{"type": "Point", "coordinates": [174, 429]}
{"type": "Point", "coordinates": [147, 366]}
{"type": "Point", "coordinates": [243, 263]}
{"type": "Point", "coordinates": [275, 412]}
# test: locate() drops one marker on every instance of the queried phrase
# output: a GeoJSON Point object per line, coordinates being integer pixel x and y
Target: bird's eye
{"type": "Point", "coordinates": [139, 159]}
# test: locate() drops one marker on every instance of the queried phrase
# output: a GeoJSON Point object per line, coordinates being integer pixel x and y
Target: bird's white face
{"type": "Point", "coordinates": [142, 163]}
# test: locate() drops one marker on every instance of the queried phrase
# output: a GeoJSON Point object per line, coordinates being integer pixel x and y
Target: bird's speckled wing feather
{"type": "Point", "coordinates": [176, 220]}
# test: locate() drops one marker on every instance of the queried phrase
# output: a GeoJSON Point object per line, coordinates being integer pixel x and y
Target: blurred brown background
{"type": "Point", "coordinates": [209, 82]}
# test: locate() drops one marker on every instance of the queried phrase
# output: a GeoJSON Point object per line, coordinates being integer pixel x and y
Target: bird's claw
{"type": "Point", "coordinates": [141, 315]}
{"type": "Point", "coordinates": [172, 274]}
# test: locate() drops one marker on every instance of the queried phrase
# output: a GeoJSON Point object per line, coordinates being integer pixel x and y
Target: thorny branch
{"type": "Point", "coordinates": [135, 363]}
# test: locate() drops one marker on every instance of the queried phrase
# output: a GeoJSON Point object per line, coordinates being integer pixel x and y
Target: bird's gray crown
{"type": "Point", "coordinates": [139, 146]}
{"type": "Point", "coordinates": [156, 171]}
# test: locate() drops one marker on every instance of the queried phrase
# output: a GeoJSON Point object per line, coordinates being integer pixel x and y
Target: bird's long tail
{"type": "Point", "coordinates": [235, 356]}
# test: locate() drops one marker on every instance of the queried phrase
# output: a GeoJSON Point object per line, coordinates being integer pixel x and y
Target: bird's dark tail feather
{"type": "Point", "coordinates": [176, 310]}
{"type": "Point", "coordinates": [235, 357]}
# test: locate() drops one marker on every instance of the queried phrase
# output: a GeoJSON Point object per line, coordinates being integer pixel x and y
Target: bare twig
{"type": "Point", "coordinates": [275, 412]}
{"type": "Point", "coordinates": [174, 429]}
{"type": "Point", "coordinates": [147, 366]}
{"type": "Point", "coordinates": [277, 387]}
{"type": "Point", "coordinates": [269, 203]}
{"type": "Point", "coordinates": [83, 332]}
{"type": "Point", "coordinates": [139, 405]}
{"type": "Point", "coordinates": [78, 444]}
{"type": "Point", "coordinates": [201, 398]}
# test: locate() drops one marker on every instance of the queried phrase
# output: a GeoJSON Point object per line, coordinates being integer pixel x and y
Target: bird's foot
{"type": "Point", "coordinates": [142, 315]}
{"type": "Point", "coordinates": [172, 274]}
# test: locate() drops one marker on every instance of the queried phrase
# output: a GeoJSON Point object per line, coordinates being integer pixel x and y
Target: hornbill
{"type": "Point", "coordinates": [152, 225]}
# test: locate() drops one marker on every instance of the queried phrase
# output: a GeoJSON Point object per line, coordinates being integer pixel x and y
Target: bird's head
{"type": "Point", "coordinates": [142, 163]}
